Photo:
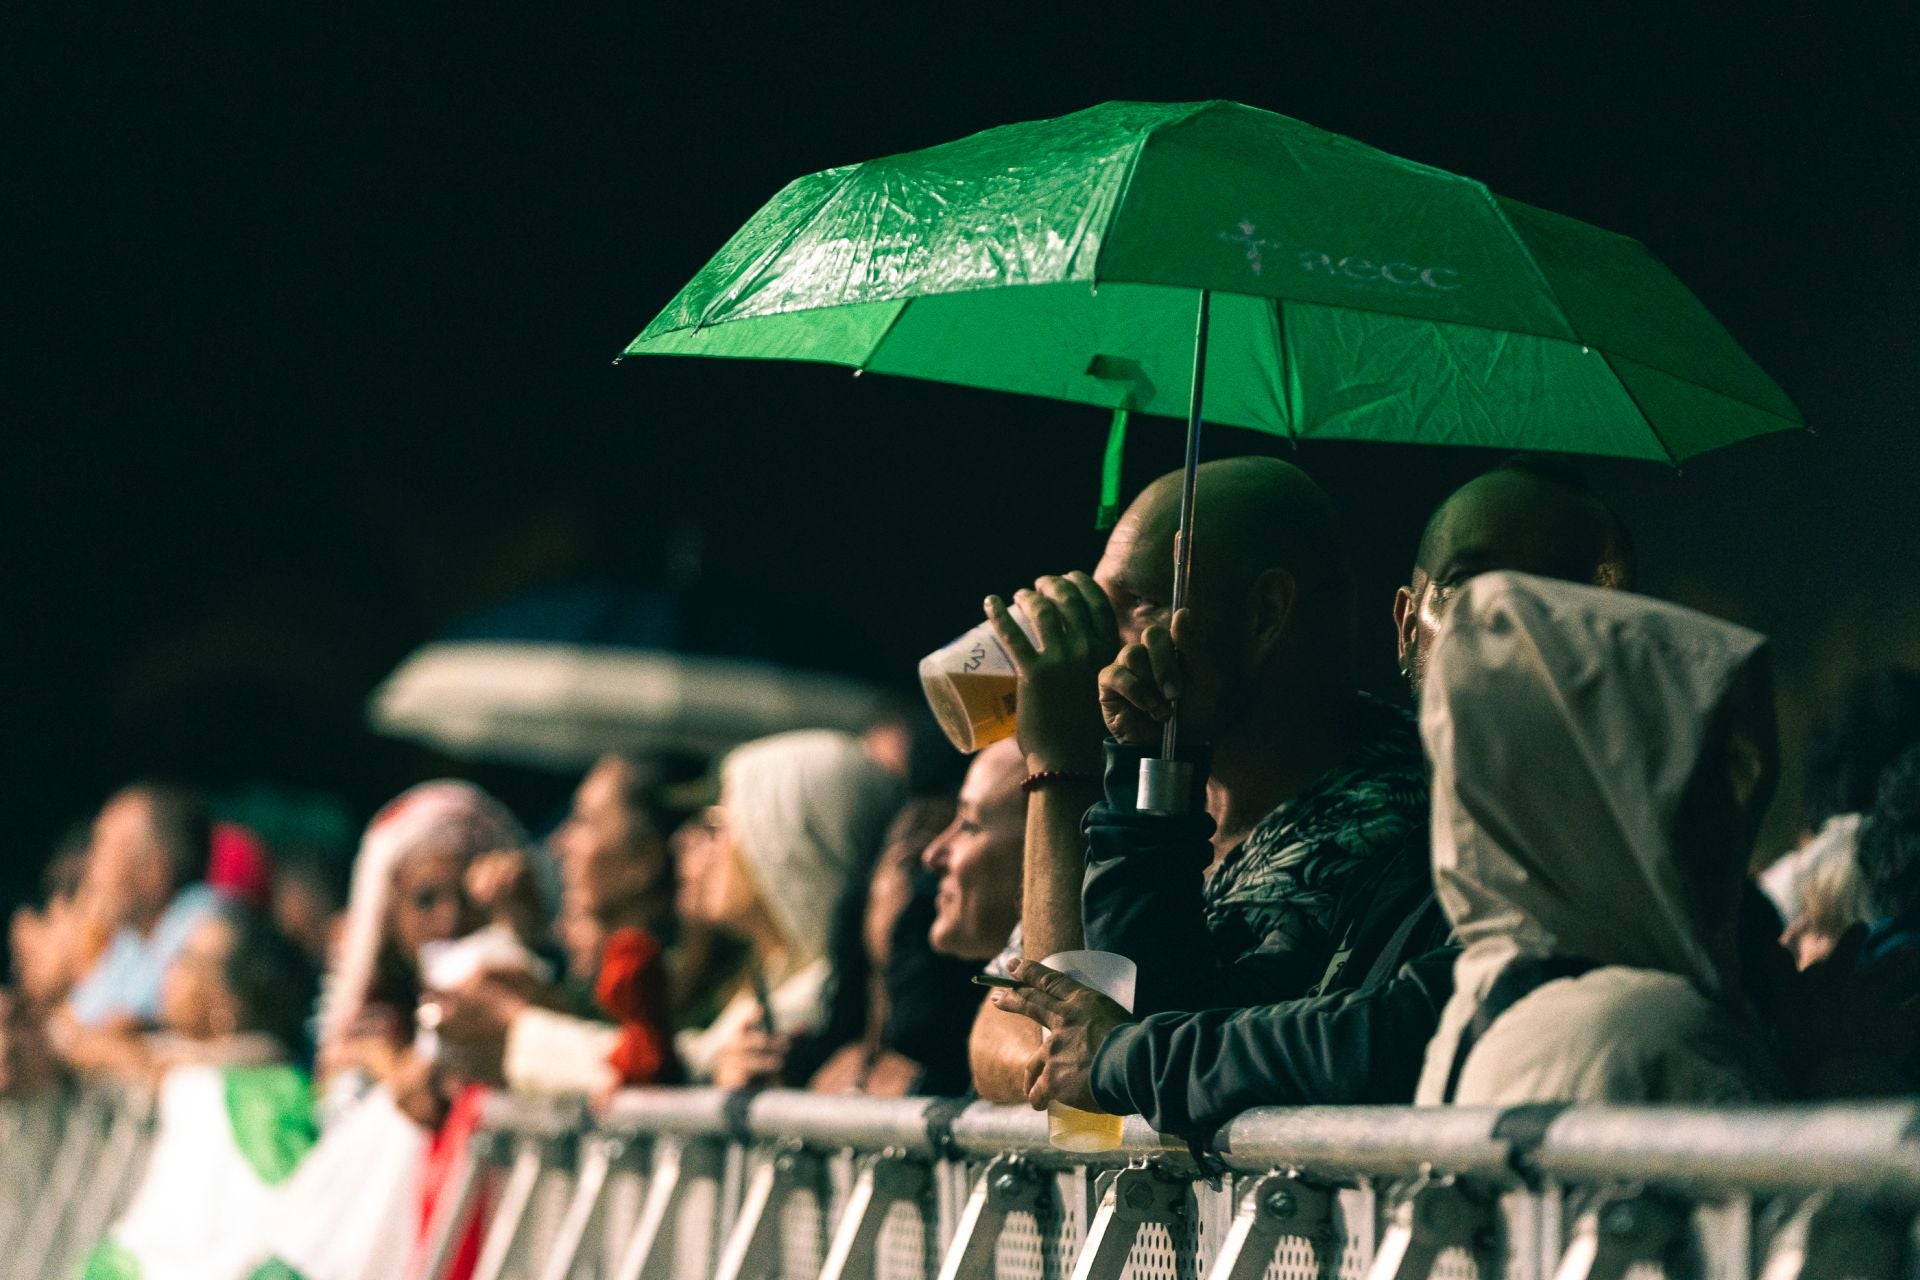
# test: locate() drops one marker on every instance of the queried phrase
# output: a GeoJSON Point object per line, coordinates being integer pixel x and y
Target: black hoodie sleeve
{"type": "Point", "coordinates": [1141, 895]}
{"type": "Point", "coordinates": [1188, 1073]}
{"type": "Point", "coordinates": [1142, 898]}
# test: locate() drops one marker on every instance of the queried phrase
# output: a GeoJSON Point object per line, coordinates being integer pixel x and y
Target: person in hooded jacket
{"type": "Point", "coordinates": [800, 816]}
{"type": "Point", "coordinates": [1601, 764]}
{"type": "Point", "coordinates": [1190, 1072]}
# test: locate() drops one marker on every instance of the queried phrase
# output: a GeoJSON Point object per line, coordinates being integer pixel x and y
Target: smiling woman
{"type": "Point", "coordinates": [979, 857]}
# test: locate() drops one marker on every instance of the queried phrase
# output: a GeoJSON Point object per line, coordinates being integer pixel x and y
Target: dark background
{"type": "Point", "coordinates": [313, 321]}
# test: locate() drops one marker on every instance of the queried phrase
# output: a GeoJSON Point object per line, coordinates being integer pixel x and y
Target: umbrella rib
{"type": "Point", "coordinates": [899, 312]}
{"type": "Point", "coordinates": [1673, 459]}
{"type": "Point", "coordinates": [1287, 408]}
{"type": "Point", "coordinates": [784, 245]}
{"type": "Point", "coordinates": [1133, 167]}
{"type": "Point", "coordinates": [1533, 265]}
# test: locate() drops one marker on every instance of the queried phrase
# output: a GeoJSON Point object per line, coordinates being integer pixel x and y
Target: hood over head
{"type": "Point", "coordinates": [1601, 763]}
{"type": "Point", "coordinates": [809, 809]}
{"type": "Point", "coordinates": [439, 814]}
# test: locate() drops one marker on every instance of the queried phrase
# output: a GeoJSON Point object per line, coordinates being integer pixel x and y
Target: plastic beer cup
{"type": "Point", "coordinates": [1069, 1128]}
{"type": "Point", "coordinates": [969, 684]}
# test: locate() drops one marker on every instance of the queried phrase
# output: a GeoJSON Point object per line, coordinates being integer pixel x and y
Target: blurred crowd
{"type": "Point", "coordinates": [1530, 880]}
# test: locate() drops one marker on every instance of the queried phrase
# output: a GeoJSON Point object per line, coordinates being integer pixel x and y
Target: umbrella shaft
{"type": "Point", "coordinates": [1183, 540]}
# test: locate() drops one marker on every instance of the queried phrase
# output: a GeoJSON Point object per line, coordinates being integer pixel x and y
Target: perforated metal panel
{"type": "Point", "coordinates": [908, 1247]}
{"type": "Point", "coordinates": [1350, 1242]}
{"type": "Point", "coordinates": [1042, 1246]}
{"type": "Point", "coordinates": [1163, 1253]}
{"type": "Point", "coordinates": [696, 1240]}
{"type": "Point", "coordinates": [803, 1237]}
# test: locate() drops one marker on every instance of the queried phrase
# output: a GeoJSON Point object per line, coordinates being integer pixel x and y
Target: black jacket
{"type": "Point", "coordinates": [1189, 1073]}
{"type": "Point", "coordinates": [1216, 1038]}
{"type": "Point", "coordinates": [1144, 897]}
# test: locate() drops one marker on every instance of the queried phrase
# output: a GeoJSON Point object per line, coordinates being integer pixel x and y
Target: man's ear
{"type": "Point", "coordinates": [1406, 621]}
{"type": "Point", "coordinates": [1275, 593]}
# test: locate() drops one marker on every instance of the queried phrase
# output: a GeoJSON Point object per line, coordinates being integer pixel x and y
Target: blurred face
{"type": "Point", "coordinates": [194, 998]}
{"type": "Point", "coordinates": [128, 874]}
{"type": "Point", "coordinates": [429, 900]}
{"type": "Point", "coordinates": [979, 859]}
{"type": "Point", "coordinates": [304, 913]}
{"type": "Point", "coordinates": [609, 849]}
{"type": "Point", "coordinates": [1500, 521]}
{"type": "Point", "coordinates": [912, 830]}
{"type": "Point", "coordinates": [715, 887]}
{"type": "Point", "coordinates": [581, 936]}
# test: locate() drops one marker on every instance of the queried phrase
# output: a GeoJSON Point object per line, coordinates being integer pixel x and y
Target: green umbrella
{"type": "Point", "coordinates": [1321, 289]}
{"type": "Point", "coordinates": [1359, 296]}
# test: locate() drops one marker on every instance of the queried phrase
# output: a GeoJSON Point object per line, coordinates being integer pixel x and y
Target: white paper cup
{"type": "Point", "coordinates": [1112, 975]}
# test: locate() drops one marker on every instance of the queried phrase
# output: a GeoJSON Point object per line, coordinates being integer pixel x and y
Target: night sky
{"type": "Point", "coordinates": [314, 323]}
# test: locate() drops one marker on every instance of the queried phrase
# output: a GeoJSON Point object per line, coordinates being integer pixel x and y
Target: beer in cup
{"type": "Point", "coordinates": [1069, 1128]}
{"type": "Point", "coordinates": [969, 684]}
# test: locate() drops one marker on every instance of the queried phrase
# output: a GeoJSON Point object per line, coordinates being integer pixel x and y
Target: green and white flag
{"type": "Point", "coordinates": [351, 1212]}
{"type": "Point", "coordinates": [225, 1140]}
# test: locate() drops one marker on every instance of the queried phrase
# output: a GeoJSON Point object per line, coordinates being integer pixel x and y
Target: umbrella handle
{"type": "Point", "coordinates": [1164, 783]}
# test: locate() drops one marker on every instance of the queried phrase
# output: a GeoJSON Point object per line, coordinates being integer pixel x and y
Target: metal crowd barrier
{"type": "Point", "coordinates": [671, 1184]}
{"type": "Point", "coordinates": [68, 1164]}
{"type": "Point", "coordinates": [684, 1183]}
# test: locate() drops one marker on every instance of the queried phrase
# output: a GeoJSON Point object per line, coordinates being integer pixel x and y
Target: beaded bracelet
{"type": "Point", "coordinates": [1034, 781]}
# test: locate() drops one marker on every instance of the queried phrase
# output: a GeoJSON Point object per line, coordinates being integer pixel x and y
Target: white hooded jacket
{"type": "Point", "coordinates": [1600, 760]}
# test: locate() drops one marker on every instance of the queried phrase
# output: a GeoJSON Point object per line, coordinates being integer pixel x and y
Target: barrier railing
{"type": "Point", "coordinates": [68, 1162]}
{"type": "Point", "coordinates": [683, 1183]}
{"type": "Point", "coordinates": [666, 1184]}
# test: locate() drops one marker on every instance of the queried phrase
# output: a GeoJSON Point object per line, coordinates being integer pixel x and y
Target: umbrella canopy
{"type": "Point", "coordinates": [556, 678]}
{"type": "Point", "coordinates": [1355, 295]}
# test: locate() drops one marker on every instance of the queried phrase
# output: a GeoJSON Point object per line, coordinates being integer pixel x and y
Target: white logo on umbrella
{"type": "Point", "coordinates": [1352, 270]}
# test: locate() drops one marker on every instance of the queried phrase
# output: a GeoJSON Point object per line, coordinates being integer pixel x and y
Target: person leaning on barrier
{"type": "Point", "coordinates": [912, 1004]}
{"type": "Point", "coordinates": [978, 859]}
{"type": "Point", "coordinates": [238, 993]}
{"type": "Point", "coordinates": [1306, 845]}
{"type": "Point", "coordinates": [800, 815]}
{"type": "Point", "coordinates": [148, 855]}
{"type": "Point", "coordinates": [1601, 765]}
{"type": "Point", "coordinates": [615, 919]}
{"type": "Point", "coordinates": [1188, 1072]}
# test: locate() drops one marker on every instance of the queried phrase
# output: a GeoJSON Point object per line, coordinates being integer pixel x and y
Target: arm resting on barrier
{"type": "Point", "coordinates": [552, 1053]}
{"type": "Point", "coordinates": [999, 1048]}
{"type": "Point", "coordinates": [1188, 1073]}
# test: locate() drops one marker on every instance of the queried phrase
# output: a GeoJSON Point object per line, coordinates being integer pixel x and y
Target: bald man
{"type": "Point", "coordinates": [1307, 841]}
{"type": "Point", "coordinates": [1529, 515]}
{"type": "Point", "coordinates": [1189, 1072]}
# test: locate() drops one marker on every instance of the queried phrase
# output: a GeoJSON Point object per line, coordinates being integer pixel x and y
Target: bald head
{"type": "Point", "coordinates": [1526, 516]}
{"type": "Point", "coordinates": [1251, 515]}
{"type": "Point", "coordinates": [1530, 518]}
{"type": "Point", "coordinates": [1270, 597]}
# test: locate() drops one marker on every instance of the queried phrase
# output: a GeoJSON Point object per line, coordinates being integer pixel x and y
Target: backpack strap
{"type": "Point", "coordinates": [1520, 979]}
{"type": "Point", "coordinates": [1394, 954]}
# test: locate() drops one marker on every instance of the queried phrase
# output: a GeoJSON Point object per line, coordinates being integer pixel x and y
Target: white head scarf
{"type": "Point", "coordinates": [1565, 725]}
{"type": "Point", "coordinates": [808, 809]}
{"type": "Point", "coordinates": [435, 815]}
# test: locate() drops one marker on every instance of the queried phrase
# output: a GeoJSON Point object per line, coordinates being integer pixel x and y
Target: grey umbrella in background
{"type": "Point", "coordinates": [556, 677]}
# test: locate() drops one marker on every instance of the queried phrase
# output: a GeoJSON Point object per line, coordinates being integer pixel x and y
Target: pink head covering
{"type": "Point", "coordinates": [434, 815]}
